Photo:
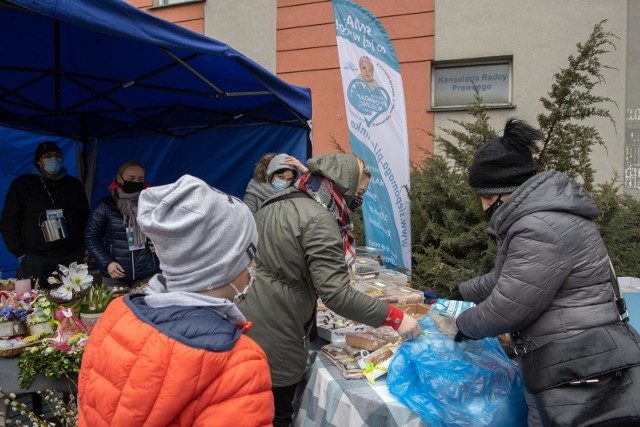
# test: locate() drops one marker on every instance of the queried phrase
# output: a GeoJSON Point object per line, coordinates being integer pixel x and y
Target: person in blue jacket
{"type": "Point", "coordinates": [113, 237]}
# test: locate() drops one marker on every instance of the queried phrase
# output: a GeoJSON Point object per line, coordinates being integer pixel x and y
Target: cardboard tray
{"type": "Point", "coordinates": [339, 335]}
{"type": "Point", "coordinates": [417, 311]}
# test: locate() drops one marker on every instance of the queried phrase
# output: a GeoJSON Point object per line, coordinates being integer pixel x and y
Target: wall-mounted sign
{"type": "Point", "coordinates": [453, 85]}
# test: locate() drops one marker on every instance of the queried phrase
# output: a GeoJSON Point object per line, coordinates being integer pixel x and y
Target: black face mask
{"type": "Point", "coordinates": [132, 187]}
{"type": "Point", "coordinates": [494, 207]}
{"type": "Point", "coordinates": [355, 203]}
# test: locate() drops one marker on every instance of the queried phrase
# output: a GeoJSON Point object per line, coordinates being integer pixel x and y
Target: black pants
{"type": "Point", "coordinates": [41, 266]}
{"type": "Point", "coordinates": [283, 400]}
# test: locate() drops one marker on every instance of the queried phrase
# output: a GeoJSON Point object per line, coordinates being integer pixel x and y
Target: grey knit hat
{"type": "Point", "coordinates": [501, 165]}
{"type": "Point", "coordinates": [203, 237]}
{"type": "Point", "coordinates": [276, 164]}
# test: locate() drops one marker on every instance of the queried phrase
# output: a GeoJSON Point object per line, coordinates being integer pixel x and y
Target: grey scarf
{"type": "Point", "coordinates": [128, 205]}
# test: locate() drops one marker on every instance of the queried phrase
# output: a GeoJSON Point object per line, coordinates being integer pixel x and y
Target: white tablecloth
{"type": "Point", "coordinates": [330, 400]}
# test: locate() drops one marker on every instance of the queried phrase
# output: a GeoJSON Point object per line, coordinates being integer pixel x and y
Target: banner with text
{"type": "Point", "coordinates": [377, 120]}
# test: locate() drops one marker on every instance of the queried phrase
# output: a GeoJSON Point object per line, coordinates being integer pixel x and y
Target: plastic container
{"type": "Point", "coordinates": [406, 295]}
{"type": "Point", "coordinates": [380, 290]}
{"type": "Point", "coordinates": [392, 276]}
{"type": "Point", "coordinates": [377, 283]}
{"type": "Point", "coordinates": [366, 267]}
{"type": "Point", "coordinates": [371, 253]}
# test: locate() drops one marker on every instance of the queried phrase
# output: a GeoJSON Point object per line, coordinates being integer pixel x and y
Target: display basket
{"type": "Point", "coordinates": [61, 301]}
{"type": "Point", "coordinates": [16, 351]}
{"type": "Point", "coordinates": [12, 352]}
{"type": "Point", "coordinates": [10, 328]}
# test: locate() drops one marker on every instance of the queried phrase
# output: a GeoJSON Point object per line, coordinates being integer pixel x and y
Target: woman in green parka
{"type": "Point", "coordinates": [306, 247]}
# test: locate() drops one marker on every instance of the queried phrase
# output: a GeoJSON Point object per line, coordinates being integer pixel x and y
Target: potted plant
{"type": "Point", "coordinates": [96, 303]}
{"type": "Point", "coordinates": [41, 321]}
{"type": "Point", "coordinates": [13, 314]}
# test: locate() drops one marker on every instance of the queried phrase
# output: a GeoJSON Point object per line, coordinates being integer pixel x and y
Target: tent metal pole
{"type": "Point", "coordinates": [85, 148]}
{"type": "Point", "coordinates": [193, 71]}
{"type": "Point", "coordinates": [56, 69]}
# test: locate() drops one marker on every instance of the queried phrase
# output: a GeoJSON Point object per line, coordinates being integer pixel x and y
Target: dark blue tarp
{"type": "Point", "coordinates": [102, 75]}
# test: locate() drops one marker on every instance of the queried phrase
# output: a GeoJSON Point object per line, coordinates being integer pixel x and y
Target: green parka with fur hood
{"type": "Point", "coordinates": [300, 259]}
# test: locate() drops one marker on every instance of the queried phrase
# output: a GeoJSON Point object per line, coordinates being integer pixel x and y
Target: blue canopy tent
{"type": "Point", "coordinates": [114, 83]}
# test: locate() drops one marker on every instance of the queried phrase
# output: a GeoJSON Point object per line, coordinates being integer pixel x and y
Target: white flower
{"type": "Point", "coordinates": [75, 278]}
{"type": "Point", "coordinates": [79, 279]}
{"type": "Point", "coordinates": [64, 269]}
{"type": "Point", "coordinates": [64, 292]}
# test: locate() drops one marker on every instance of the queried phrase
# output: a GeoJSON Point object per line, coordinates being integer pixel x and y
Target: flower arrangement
{"type": "Point", "coordinates": [97, 300]}
{"type": "Point", "coordinates": [72, 281]}
{"type": "Point", "coordinates": [42, 310]}
{"type": "Point", "coordinates": [41, 319]}
{"type": "Point", "coordinates": [57, 356]}
{"type": "Point", "coordinates": [14, 306]}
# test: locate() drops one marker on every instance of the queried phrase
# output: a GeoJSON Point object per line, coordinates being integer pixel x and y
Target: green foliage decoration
{"type": "Point", "coordinates": [46, 360]}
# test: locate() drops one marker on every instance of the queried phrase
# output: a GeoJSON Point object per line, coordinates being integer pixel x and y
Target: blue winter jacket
{"type": "Point", "coordinates": [107, 223]}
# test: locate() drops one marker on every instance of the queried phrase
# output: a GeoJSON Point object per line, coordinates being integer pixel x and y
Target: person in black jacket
{"type": "Point", "coordinates": [44, 216]}
{"type": "Point", "coordinates": [128, 260]}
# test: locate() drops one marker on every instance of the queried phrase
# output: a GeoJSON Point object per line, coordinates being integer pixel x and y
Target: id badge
{"type": "Point", "coordinates": [54, 214]}
{"type": "Point", "coordinates": [132, 246]}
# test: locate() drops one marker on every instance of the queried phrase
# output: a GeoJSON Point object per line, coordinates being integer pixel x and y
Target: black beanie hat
{"type": "Point", "coordinates": [503, 164]}
{"type": "Point", "coordinates": [45, 147]}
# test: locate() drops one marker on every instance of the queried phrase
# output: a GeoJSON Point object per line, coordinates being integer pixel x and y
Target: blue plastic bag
{"type": "Point", "coordinates": [472, 383]}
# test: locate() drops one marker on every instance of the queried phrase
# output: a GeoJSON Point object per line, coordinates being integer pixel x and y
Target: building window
{"type": "Point", "coordinates": [453, 83]}
{"type": "Point", "coordinates": [169, 2]}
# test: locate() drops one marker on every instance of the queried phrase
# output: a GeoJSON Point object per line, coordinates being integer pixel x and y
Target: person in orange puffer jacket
{"type": "Point", "coordinates": [176, 355]}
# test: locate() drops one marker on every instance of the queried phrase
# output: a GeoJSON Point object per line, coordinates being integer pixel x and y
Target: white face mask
{"type": "Point", "coordinates": [280, 184]}
{"type": "Point", "coordinates": [52, 165]}
{"type": "Point", "coordinates": [242, 295]}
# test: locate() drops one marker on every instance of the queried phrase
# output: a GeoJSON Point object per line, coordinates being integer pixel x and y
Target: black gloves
{"type": "Point", "coordinates": [459, 336]}
{"type": "Point", "coordinates": [456, 295]}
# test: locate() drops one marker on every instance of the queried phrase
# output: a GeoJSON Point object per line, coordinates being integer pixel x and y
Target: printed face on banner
{"type": "Point", "coordinates": [367, 98]}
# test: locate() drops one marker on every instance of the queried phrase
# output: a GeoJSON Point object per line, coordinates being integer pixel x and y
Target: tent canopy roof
{"type": "Point", "coordinates": [88, 69]}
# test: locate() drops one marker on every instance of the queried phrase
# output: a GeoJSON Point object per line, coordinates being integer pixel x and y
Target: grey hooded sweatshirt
{"type": "Point", "coordinates": [551, 277]}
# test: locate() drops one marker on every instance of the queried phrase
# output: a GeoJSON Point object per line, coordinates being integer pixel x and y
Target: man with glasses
{"type": "Point", "coordinates": [44, 216]}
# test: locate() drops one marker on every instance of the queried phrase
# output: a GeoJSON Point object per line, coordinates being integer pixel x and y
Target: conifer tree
{"type": "Point", "coordinates": [449, 239]}
{"type": "Point", "coordinates": [571, 105]}
{"type": "Point", "coordinates": [448, 226]}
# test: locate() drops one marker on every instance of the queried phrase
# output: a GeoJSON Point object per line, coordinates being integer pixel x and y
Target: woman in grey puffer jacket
{"type": "Point", "coordinates": [551, 278]}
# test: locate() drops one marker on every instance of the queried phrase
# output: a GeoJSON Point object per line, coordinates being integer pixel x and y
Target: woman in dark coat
{"type": "Point", "coordinates": [551, 278]}
{"type": "Point", "coordinates": [127, 259]}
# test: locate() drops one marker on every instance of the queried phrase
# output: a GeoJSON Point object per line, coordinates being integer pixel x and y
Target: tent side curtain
{"type": "Point", "coordinates": [223, 157]}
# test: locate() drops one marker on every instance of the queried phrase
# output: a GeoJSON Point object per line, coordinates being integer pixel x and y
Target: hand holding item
{"type": "Point", "coordinates": [290, 160]}
{"type": "Point", "coordinates": [409, 328]}
{"type": "Point", "coordinates": [115, 270]}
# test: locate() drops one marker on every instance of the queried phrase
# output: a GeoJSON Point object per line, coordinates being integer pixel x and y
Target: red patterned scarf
{"type": "Point", "coordinates": [324, 192]}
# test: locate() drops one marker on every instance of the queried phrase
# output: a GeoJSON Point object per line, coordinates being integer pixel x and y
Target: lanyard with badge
{"type": "Point", "coordinates": [52, 221]}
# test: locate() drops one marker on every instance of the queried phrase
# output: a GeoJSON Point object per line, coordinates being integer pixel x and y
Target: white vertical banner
{"type": "Point", "coordinates": [377, 120]}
